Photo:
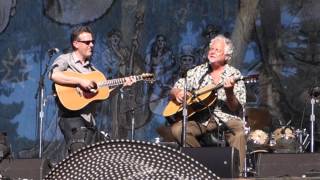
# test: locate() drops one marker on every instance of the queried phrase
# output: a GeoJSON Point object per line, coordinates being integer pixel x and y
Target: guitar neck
{"type": "Point", "coordinates": [213, 87]}
{"type": "Point", "coordinates": [207, 89]}
{"type": "Point", "coordinates": [118, 81]}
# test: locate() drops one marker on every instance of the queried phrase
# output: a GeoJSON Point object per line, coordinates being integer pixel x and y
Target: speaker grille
{"type": "Point", "coordinates": [125, 159]}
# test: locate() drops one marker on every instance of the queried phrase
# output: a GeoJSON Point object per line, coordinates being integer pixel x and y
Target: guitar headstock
{"type": "Point", "coordinates": [253, 78]}
{"type": "Point", "coordinates": [149, 77]}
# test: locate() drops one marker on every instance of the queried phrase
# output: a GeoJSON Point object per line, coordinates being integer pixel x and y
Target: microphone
{"type": "Point", "coordinates": [53, 51]}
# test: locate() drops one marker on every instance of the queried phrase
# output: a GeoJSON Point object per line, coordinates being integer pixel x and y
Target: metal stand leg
{"type": "Point", "coordinates": [42, 100]}
{"type": "Point", "coordinates": [247, 130]}
{"type": "Point", "coordinates": [132, 124]}
{"type": "Point", "coordinates": [41, 118]}
{"type": "Point", "coordinates": [312, 119]}
{"type": "Point", "coordinates": [185, 115]}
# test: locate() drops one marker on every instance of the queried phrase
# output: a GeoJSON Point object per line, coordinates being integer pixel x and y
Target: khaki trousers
{"type": "Point", "coordinates": [194, 129]}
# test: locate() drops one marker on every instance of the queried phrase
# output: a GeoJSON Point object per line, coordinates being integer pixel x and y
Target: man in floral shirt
{"type": "Point", "coordinates": [230, 99]}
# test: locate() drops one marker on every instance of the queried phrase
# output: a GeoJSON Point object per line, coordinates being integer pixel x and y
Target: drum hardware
{"type": "Point", "coordinates": [246, 126]}
{"type": "Point", "coordinates": [303, 138]}
{"type": "Point", "coordinates": [312, 120]}
{"type": "Point", "coordinates": [286, 133]}
{"type": "Point", "coordinates": [282, 140]}
{"type": "Point", "coordinates": [306, 142]}
{"type": "Point", "coordinates": [286, 142]}
{"type": "Point", "coordinates": [251, 158]}
{"type": "Point", "coordinates": [254, 119]}
{"type": "Point", "coordinates": [272, 141]}
{"type": "Point", "coordinates": [300, 138]}
{"type": "Point", "coordinates": [258, 137]}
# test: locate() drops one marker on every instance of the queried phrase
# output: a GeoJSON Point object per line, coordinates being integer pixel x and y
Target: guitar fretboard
{"type": "Point", "coordinates": [119, 81]}
{"type": "Point", "coordinates": [220, 85]}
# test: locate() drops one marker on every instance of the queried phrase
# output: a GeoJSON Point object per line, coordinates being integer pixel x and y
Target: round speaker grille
{"type": "Point", "coordinates": [129, 159]}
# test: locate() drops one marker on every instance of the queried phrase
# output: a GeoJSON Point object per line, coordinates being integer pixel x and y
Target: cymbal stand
{"type": "Point", "coordinates": [312, 119]}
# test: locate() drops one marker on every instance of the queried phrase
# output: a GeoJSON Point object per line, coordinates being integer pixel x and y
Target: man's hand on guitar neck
{"type": "Point", "coordinates": [178, 94]}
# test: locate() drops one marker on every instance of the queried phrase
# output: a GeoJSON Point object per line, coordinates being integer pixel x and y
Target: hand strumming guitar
{"type": "Point", "coordinates": [228, 85]}
{"type": "Point", "coordinates": [178, 94]}
{"type": "Point", "coordinates": [232, 102]}
{"type": "Point", "coordinates": [87, 85]}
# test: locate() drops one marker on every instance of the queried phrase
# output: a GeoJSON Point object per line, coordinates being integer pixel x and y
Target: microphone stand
{"type": "Point", "coordinates": [184, 114]}
{"type": "Point", "coordinates": [132, 119]}
{"type": "Point", "coordinates": [42, 101]}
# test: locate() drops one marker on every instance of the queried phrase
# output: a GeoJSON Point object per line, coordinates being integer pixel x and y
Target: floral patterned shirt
{"type": "Point", "coordinates": [220, 109]}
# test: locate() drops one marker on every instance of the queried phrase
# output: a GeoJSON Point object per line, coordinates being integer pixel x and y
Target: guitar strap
{"type": "Point", "coordinates": [209, 69]}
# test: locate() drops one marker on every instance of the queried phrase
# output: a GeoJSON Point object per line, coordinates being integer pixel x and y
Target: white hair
{"type": "Point", "coordinates": [228, 48]}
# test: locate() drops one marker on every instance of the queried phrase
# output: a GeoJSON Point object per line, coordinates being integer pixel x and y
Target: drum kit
{"type": "Point", "coordinates": [284, 139]}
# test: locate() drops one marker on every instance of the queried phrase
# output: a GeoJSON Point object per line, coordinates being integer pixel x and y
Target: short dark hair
{"type": "Point", "coordinates": [77, 31]}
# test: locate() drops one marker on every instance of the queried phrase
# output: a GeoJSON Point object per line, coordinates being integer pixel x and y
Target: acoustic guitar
{"type": "Point", "coordinates": [74, 98]}
{"type": "Point", "coordinates": [200, 99]}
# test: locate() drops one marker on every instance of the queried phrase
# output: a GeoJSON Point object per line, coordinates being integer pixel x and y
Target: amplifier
{"type": "Point", "coordinates": [284, 165]}
{"type": "Point", "coordinates": [24, 168]}
{"type": "Point", "coordinates": [223, 161]}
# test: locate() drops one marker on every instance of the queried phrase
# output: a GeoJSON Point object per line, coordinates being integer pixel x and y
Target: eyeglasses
{"type": "Point", "coordinates": [88, 42]}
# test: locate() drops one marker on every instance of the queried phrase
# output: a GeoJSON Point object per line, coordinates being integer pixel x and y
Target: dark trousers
{"type": "Point", "coordinates": [77, 132]}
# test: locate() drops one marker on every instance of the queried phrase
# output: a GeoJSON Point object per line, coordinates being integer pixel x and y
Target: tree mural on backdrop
{"type": "Point", "coordinates": [7, 10]}
{"type": "Point", "coordinates": [268, 39]}
{"type": "Point", "coordinates": [299, 53]}
{"type": "Point", "coordinates": [288, 57]}
{"type": "Point", "coordinates": [13, 72]}
{"type": "Point", "coordinates": [76, 11]}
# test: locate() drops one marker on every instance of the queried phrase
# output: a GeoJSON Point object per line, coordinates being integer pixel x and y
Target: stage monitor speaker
{"type": "Point", "coordinates": [24, 168]}
{"type": "Point", "coordinates": [223, 161]}
{"type": "Point", "coordinates": [284, 165]}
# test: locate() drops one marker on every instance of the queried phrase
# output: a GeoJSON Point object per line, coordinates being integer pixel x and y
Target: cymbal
{"type": "Point", "coordinates": [258, 118]}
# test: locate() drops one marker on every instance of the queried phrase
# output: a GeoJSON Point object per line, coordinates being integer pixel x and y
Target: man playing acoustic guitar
{"type": "Point", "coordinates": [78, 125]}
{"type": "Point", "coordinates": [229, 100]}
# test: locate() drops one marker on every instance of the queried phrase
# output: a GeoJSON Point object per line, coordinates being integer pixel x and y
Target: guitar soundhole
{"type": "Point", "coordinates": [89, 94]}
